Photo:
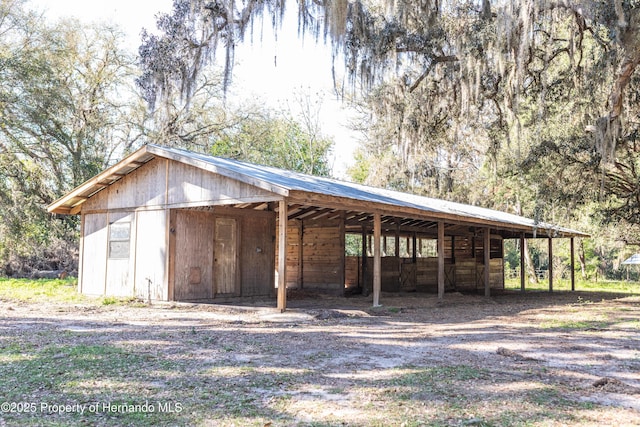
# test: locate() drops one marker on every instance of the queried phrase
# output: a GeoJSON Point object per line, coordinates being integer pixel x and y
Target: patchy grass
{"type": "Point", "coordinates": [618, 287]}
{"type": "Point", "coordinates": [426, 365]}
{"type": "Point", "coordinates": [41, 290]}
{"type": "Point", "coordinates": [581, 325]}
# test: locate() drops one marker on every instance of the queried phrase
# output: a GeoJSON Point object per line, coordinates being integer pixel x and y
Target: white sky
{"type": "Point", "coordinates": [270, 70]}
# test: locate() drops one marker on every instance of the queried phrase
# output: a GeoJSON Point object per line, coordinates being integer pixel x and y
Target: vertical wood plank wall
{"type": "Point", "coordinates": [151, 245]}
{"type": "Point", "coordinates": [194, 256]}
{"type": "Point", "coordinates": [315, 255]}
{"type": "Point", "coordinates": [460, 275]}
{"type": "Point", "coordinates": [94, 255]}
{"type": "Point", "coordinates": [120, 280]}
{"type": "Point", "coordinates": [145, 198]}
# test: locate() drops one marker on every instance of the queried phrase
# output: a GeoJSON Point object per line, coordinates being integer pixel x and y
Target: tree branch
{"type": "Point", "coordinates": [432, 65]}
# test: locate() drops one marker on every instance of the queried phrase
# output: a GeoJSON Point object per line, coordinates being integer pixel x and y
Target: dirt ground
{"type": "Point", "coordinates": [534, 359]}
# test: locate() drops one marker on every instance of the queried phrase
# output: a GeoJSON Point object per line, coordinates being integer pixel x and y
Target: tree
{"type": "Point", "coordinates": [525, 105]}
{"type": "Point", "coordinates": [279, 141]}
{"type": "Point", "coordinates": [463, 66]}
{"type": "Point", "coordinates": [65, 112]}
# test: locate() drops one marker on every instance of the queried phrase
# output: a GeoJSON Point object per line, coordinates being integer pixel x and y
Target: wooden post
{"type": "Point", "coordinates": [397, 237]}
{"type": "Point", "coordinates": [81, 252]}
{"type": "Point", "coordinates": [573, 269]}
{"type": "Point", "coordinates": [343, 255]}
{"type": "Point", "coordinates": [440, 260]}
{"type": "Point", "coordinates": [300, 254]}
{"type": "Point", "coordinates": [397, 253]}
{"type": "Point", "coordinates": [414, 253]}
{"type": "Point", "coordinates": [282, 255]}
{"type": "Point", "coordinates": [550, 264]}
{"type": "Point", "coordinates": [487, 262]}
{"type": "Point", "coordinates": [377, 264]}
{"type": "Point", "coordinates": [523, 270]}
{"type": "Point", "coordinates": [453, 249]}
{"type": "Point", "coordinates": [364, 285]}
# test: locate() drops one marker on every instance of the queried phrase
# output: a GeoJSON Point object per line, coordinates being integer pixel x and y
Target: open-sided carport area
{"type": "Point", "coordinates": [170, 224]}
{"type": "Point", "coordinates": [400, 250]}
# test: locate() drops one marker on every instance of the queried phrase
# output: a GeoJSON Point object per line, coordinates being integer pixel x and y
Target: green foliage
{"type": "Point", "coordinates": [279, 142]}
{"type": "Point", "coordinates": [65, 110]}
{"type": "Point", "coordinates": [353, 244]}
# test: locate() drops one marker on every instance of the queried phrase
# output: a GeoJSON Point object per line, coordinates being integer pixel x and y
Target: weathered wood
{"type": "Point", "coordinates": [487, 261]}
{"type": "Point", "coordinates": [342, 252]}
{"type": "Point", "coordinates": [550, 264]}
{"type": "Point", "coordinates": [151, 263]}
{"type": "Point", "coordinates": [257, 254]}
{"type": "Point", "coordinates": [120, 265]}
{"type": "Point", "coordinates": [145, 187]}
{"type": "Point", "coordinates": [414, 253]}
{"type": "Point", "coordinates": [345, 203]}
{"type": "Point", "coordinates": [194, 255]}
{"type": "Point", "coordinates": [191, 186]}
{"type": "Point", "coordinates": [352, 271]}
{"type": "Point", "coordinates": [171, 255]}
{"type": "Point", "coordinates": [259, 183]}
{"type": "Point", "coordinates": [376, 260]}
{"type": "Point", "coordinates": [573, 264]}
{"type": "Point", "coordinates": [282, 255]}
{"type": "Point", "coordinates": [225, 249]}
{"type": "Point", "coordinates": [89, 187]}
{"type": "Point", "coordinates": [441, 277]}
{"type": "Point", "coordinates": [363, 283]}
{"type": "Point", "coordinates": [323, 255]}
{"type": "Point", "coordinates": [299, 267]}
{"type": "Point", "coordinates": [81, 252]}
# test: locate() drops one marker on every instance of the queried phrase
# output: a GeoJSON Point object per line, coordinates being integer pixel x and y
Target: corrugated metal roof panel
{"type": "Point", "coordinates": [295, 181]}
{"type": "Point", "coordinates": [281, 182]}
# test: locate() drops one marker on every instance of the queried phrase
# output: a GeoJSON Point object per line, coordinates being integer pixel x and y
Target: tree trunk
{"type": "Point", "coordinates": [531, 271]}
{"type": "Point", "coordinates": [581, 257]}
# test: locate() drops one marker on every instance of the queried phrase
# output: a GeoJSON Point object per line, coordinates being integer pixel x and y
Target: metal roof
{"type": "Point", "coordinates": [633, 259]}
{"type": "Point", "coordinates": [285, 183]}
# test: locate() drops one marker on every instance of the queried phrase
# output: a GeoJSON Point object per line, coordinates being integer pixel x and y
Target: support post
{"type": "Point", "coordinates": [397, 253]}
{"type": "Point", "coordinates": [363, 284]}
{"type": "Point", "coordinates": [573, 265]}
{"type": "Point", "coordinates": [283, 218]}
{"type": "Point", "coordinates": [523, 270]}
{"type": "Point", "coordinates": [550, 264]}
{"type": "Point", "coordinates": [377, 263]}
{"type": "Point", "coordinates": [487, 262]}
{"type": "Point", "coordinates": [440, 260]}
{"type": "Point", "coordinates": [300, 254]}
{"type": "Point", "coordinates": [343, 255]}
{"type": "Point", "coordinates": [414, 253]}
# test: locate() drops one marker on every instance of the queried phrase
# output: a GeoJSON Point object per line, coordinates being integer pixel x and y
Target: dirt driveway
{"type": "Point", "coordinates": [533, 359]}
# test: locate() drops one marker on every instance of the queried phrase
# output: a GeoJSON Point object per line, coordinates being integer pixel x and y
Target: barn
{"type": "Point", "coordinates": [174, 225]}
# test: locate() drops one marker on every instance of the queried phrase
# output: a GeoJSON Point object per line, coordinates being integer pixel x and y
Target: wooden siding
{"type": "Point", "coordinates": [257, 259]}
{"type": "Point", "coordinates": [323, 255]}
{"type": "Point", "coordinates": [151, 247]}
{"type": "Point", "coordinates": [353, 271]}
{"type": "Point", "coordinates": [94, 254]}
{"type": "Point", "coordinates": [193, 255]}
{"type": "Point", "coordinates": [163, 183]}
{"type": "Point", "coordinates": [225, 259]}
{"type": "Point", "coordinates": [120, 279]}
{"type": "Point", "coordinates": [294, 255]}
{"type": "Point", "coordinates": [462, 271]}
{"type": "Point", "coordinates": [211, 263]}
{"type": "Point", "coordinates": [191, 186]}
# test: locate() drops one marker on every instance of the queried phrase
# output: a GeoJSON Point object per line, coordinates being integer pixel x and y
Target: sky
{"type": "Point", "coordinates": [271, 71]}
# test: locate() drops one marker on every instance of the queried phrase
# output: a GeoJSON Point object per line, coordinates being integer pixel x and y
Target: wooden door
{"type": "Point", "coordinates": [225, 256]}
{"type": "Point", "coordinates": [193, 255]}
